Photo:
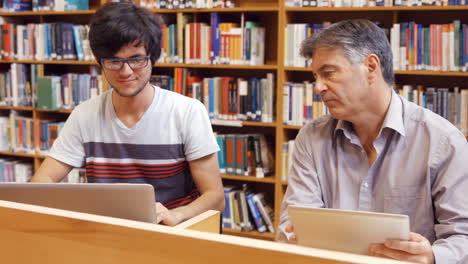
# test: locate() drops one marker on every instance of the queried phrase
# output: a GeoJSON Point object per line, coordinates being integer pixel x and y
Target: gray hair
{"type": "Point", "coordinates": [357, 38]}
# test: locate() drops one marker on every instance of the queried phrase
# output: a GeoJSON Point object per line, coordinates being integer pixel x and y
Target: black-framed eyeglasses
{"type": "Point", "coordinates": [115, 64]}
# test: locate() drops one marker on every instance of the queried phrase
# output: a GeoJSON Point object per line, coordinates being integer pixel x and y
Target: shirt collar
{"type": "Point", "coordinates": [393, 119]}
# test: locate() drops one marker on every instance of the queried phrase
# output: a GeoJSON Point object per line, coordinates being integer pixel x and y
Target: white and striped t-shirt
{"type": "Point", "coordinates": [174, 130]}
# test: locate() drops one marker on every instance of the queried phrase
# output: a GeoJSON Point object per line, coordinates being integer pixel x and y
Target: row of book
{"type": "Point", "coordinates": [43, 5]}
{"type": "Point", "coordinates": [26, 135]}
{"type": "Point", "coordinates": [301, 104]}
{"type": "Point", "coordinates": [372, 3]}
{"type": "Point", "coordinates": [182, 4]}
{"type": "Point", "coordinates": [245, 155]}
{"type": "Point", "coordinates": [67, 91]}
{"type": "Point", "coordinates": [225, 98]}
{"type": "Point", "coordinates": [450, 103]}
{"type": "Point", "coordinates": [17, 85]}
{"type": "Point", "coordinates": [12, 170]}
{"type": "Point", "coordinates": [216, 42]}
{"type": "Point", "coordinates": [246, 210]}
{"type": "Point", "coordinates": [19, 171]}
{"type": "Point", "coordinates": [24, 85]}
{"type": "Point", "coordinates": [46, 41]}
{"type": "Point", "coordinates": [437, 47]}
{"type": "Point", "coordinates": [295, 35]}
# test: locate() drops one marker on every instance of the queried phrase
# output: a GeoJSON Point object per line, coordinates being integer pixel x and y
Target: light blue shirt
{"type": "Point", "coordinates": [421, 170]}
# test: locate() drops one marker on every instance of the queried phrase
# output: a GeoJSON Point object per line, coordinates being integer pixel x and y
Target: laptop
{"type": "Point", "coordinates": [343, 230]}
{"type": "Point", "coordinates": [128, 201]}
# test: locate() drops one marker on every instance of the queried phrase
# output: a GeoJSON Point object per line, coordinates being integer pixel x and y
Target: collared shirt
{"type": "Point", "coordinates": [421, 170]}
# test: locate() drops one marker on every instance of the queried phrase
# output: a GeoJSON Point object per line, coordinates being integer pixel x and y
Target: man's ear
{"type": "Point", "coordinates": [372, 65]}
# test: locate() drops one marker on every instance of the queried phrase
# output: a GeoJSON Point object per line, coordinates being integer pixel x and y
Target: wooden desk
{"type": "Point", "coordinates": [33, 234]}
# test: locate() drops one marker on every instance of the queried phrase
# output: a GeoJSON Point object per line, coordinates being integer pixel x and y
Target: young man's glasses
{"type": "Point", "coordinates": [115, 64]}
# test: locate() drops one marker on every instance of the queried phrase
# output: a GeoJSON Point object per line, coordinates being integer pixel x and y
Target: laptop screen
{"type": "Point", "coordinates": [127, 201]}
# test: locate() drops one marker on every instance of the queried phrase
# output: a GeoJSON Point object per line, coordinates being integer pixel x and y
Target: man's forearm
{"type": "Point", "coordinates": [207, 201]}
{"type": "Point", "coordinates": [41, 178]}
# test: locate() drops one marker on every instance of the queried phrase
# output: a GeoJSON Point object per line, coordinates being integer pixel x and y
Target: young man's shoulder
{"type": "Point", "coordinates": [92, 106]}
{"type": "Point", "coordinates": [175, 100]}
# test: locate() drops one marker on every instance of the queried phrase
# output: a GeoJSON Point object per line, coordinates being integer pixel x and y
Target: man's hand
{"type": "Point", "coordinates": [166, 216]}
{"type": "Point", "coordinates": [417, 249]}
{"type": "Point", "coordinates": [290, 234]}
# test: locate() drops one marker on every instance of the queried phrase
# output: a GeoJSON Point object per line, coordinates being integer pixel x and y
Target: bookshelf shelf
{"type": "Point", "coordinates": [292, 127]}
{"type": "Point", "coordinates": [218, 10]}
{"type": "Point", "coordinates": [60, 62]}
{"type": "Point", "coordinates": [269, 179]}
{"type": "Point", "coordinates": [17, 154]}
{"type": "Point", "coordinates": [376, 8]}
{"type": "Point", "coordinates": [298, 69]}
{"type": "Point", "coordinates": [47, 13]}
{"type": "Point", "coordinates": [252, 234]}
{"type": "Point", "coordinates": [432, 73]}
{"type": "Point", "coordinates": [258, 124]}
{"type": "Point", "coordinates": [17, 108]}
{"type": "Point", "coordinates": [237, 123]}
{"type": "Point", "coordinates": [66, 111]}
{"type": "Point", "coordinates": [217, 66]}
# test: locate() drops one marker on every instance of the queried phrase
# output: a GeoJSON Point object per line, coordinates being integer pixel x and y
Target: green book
{"type": "Point", "coordinates": [48, 88]}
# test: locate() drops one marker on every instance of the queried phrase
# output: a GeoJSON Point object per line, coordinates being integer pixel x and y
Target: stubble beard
{"type": "Point", "coordinates": [141, 88]}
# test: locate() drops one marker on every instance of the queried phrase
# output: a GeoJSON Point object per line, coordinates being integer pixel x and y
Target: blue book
{"type": "Point", "coordinates": [20, 5]}
{"type": "Point", "coordinates": [253, 98]}
{"type": "Point", "coordinates": [464, 51]}
{"type": "Point", "coordinates": [211, 87]}
{"type": "Point", "coordinates": [255, 214]}
{"type": "Point", "coordinates": [227, 217]}
{"type": "Point", "coordinates": [215, 38]}
{"type": "Point", "coordinates": [75, 5]}
{"type": "Point", "coordinates": [420, 46]}
{"type": "Point", "coordinates": [411, 45]}
{"type": "Point", "coordinates": [221, 153]}
{"type": "Point", "coordinates": [78, 46]}
{"type": "Point", "coordinates": [259, 103]}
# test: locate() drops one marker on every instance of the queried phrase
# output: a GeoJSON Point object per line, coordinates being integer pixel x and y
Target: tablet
{"type": "Point", "coordinates": [343, 230]}
{"type": "Point", "coordinates": [122, 200]}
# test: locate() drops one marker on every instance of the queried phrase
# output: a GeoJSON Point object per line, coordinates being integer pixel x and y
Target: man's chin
{"type": "Point", "coordinates": [127, 94]}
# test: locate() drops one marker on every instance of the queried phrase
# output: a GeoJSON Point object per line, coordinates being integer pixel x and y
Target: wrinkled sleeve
{"type": "Point", "coordinates": [303, 184]}
{"type": "Point", "coordinates": [450, 170]}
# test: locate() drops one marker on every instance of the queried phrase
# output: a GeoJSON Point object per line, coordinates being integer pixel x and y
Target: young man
{"type": "Point", "coordinates": [136, 132]}
{"type": "Point", "coordinates": [377, 151]}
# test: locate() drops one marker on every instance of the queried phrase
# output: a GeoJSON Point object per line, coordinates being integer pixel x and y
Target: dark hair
{"type": "Point", "coordinates": [357, 38]}
{"type": "Point", "coordinates": [118, 24]}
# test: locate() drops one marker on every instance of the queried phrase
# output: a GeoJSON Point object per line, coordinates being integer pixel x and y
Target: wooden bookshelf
{"type": "Point", "coordinates": [59, 62]}
{"type": "Point", "coordinates": [274, 16]}
{"type": "Point", "coordinates": [18, 154]}
{"type": "Point", "coordinates": [376, 9]}
{"type": "Point", "coordinates": [217, 66]}
{"type": "Point", "coordinates": [47, 13]}
{"type": "Point", "coordinates": [251, 234]}
{"type": "Point", "coordinates": [17, 108]}
{"type": "Point", "coordinates": [268, 179]}
{"type": "Point", "coordinates": [251, 9]}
